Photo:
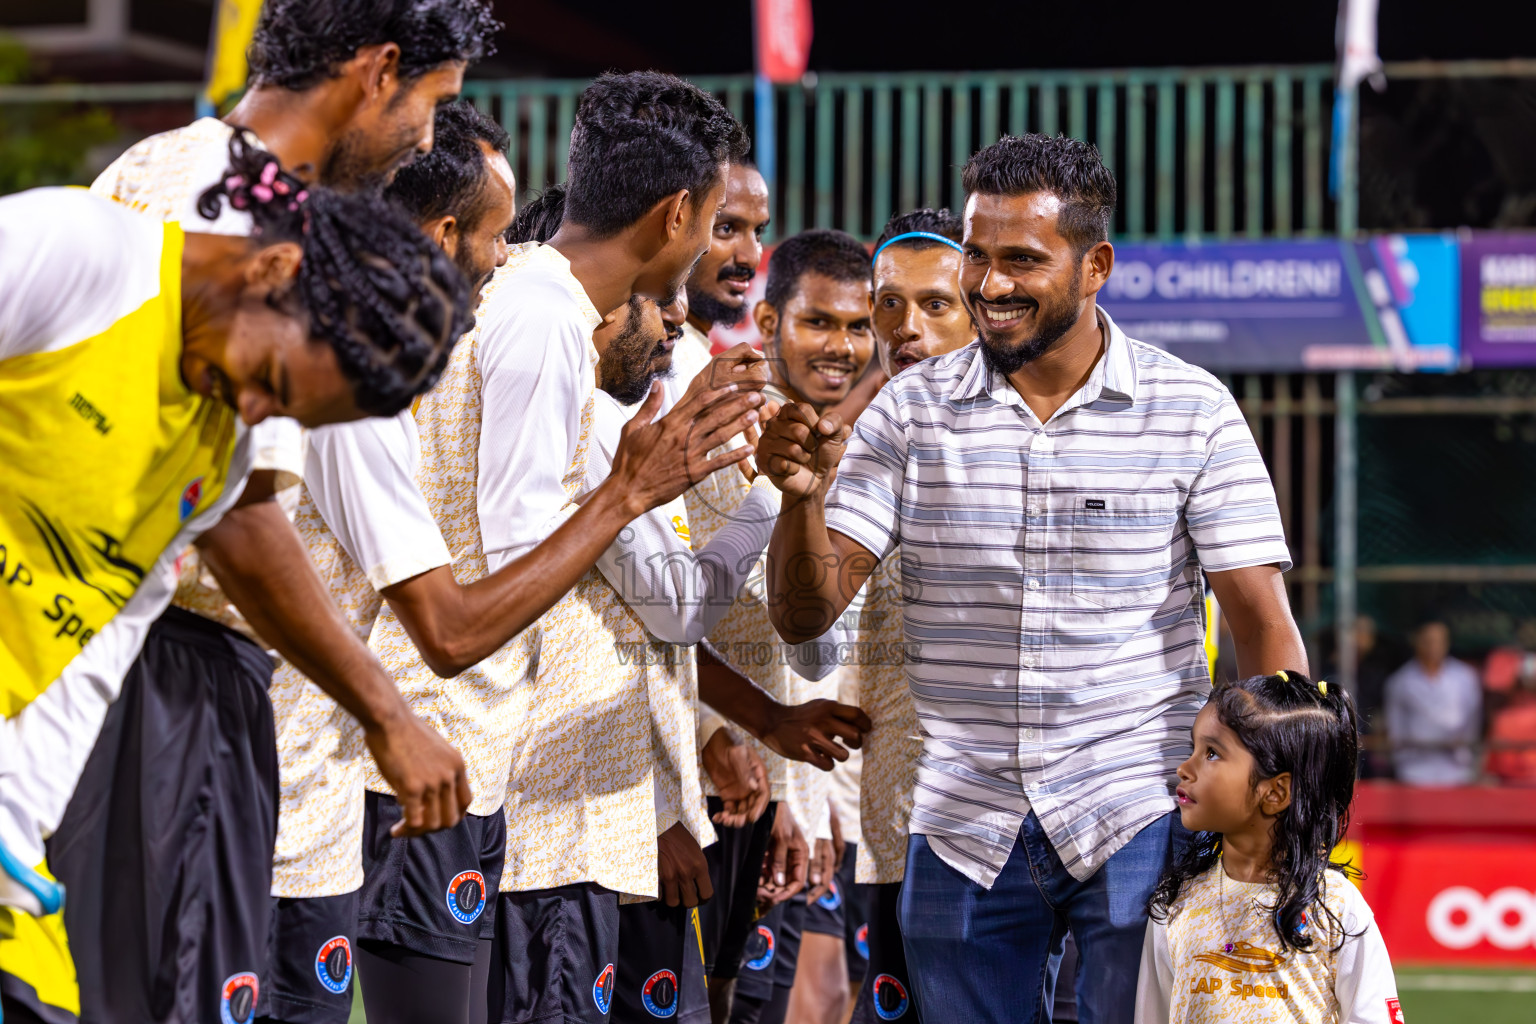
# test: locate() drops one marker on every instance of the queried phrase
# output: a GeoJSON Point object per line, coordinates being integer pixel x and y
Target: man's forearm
{"type": "Point", "coordinates": [263, 567]}
{"type": "Point", "coordinates": [1274, 645]}
{"type": "Point", "coordinates": [735, 696]}
{"type": "Point", "coordinates": [804, 571]}
{"type": "Point", "coordinates": [461, 626]}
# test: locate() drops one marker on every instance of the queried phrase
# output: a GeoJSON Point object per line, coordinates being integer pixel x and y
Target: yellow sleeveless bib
{"type": "Point", "coordinates": [104, 456]}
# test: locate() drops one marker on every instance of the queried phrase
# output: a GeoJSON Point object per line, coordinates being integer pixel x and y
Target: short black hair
{"type": "Point", "coordinates": [640, 137]}
{"type": "Point", "coordinates": [1069, 169]}
{"type": "Point", "coordinates": [834, 254]}
{"type": "Point", "coordinates": [300, 43]}
{"type": "Point", "coordinates": [540, 218]}
{"type": "Point", "coordinates": [389, 302]}
{"type": "Point", "coordinates": [447, 179]}
{"type": "Point", "coordinates": [935, 222]}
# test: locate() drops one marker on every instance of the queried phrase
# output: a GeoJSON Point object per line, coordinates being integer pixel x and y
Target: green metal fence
{"type": "Point", "coordinates": [1208, 152]}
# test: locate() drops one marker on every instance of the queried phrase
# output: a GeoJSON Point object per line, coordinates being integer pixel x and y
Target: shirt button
{"type": "Point", "coordinates": [1029, 734]}
{"type": "Point", "coordinates": [1033, 510]}
{"type": "Point", "coordinates": [1033, 584]}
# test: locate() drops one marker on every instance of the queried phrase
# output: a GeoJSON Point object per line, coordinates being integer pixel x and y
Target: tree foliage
{"type": "Point", "coordinates": [44, 143]}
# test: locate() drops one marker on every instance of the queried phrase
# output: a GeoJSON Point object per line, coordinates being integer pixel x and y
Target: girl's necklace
{"type": "Point", "coordinates": [1221, 906]}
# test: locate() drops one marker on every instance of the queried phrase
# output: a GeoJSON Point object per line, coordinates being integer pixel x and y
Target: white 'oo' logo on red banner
{"type": "Point", "coordinates": [1460, 918]}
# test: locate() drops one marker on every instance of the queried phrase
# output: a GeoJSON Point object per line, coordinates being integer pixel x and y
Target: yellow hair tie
{"type": "Point", "coordinates": [1282, 674]}
{"type": "Point", "coordinates": [1322, 687]}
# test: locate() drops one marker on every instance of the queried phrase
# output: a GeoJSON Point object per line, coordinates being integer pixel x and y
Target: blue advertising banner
{"type": "Point", "coordinates": [1391, 302]}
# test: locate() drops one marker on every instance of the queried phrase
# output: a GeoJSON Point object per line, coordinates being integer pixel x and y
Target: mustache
{"type": "Point", "coordinates": [736, 272]}
{"type": "Point", "coordinates": [976, 299]}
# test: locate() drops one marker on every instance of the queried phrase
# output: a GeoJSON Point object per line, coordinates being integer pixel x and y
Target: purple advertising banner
{"type": "Point", "coordinates": [1387, 303]}
{"type": "Point", "coordinates": [1498, 298]}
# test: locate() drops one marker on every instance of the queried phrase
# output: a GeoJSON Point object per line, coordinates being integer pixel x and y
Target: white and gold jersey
{"type": "Point", "coordinates": [1217, 958]}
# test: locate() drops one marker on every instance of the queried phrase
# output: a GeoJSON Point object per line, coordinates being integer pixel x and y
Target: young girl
{"type": "Point", "coordinates": [1254, 923]}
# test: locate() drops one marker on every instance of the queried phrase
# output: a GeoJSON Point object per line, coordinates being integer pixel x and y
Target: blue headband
{"type": "Point", "coordinates": [917, 234]}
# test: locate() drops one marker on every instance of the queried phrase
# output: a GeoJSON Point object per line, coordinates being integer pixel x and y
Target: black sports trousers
{"type": "Point", "coordinates": [887, 992]}
{"type": "Point", "coordinates": [735, 864]}
{"type": "Point", "coordinates": [311, 968]}
{"type": "Point", "coordinates": [434, 894]}
{"type": "Point", "coordinates": [166, 846]}
{"type": "Point", "coordinates": [555, 956]}
{"type": "Point", "coordinates": [768, 969]}
{"type": "Point", "coordinates": [661, 966]}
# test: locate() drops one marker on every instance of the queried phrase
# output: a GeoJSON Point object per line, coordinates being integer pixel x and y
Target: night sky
{"type": "Point", "coordinates": [581, 37]}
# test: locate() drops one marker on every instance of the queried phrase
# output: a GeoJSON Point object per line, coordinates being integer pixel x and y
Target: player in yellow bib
{"type": "Point", "coordinates": [133, 355]}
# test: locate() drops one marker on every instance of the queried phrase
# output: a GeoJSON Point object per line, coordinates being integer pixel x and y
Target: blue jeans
{"type": "Point", "coordinates": [990, 955]}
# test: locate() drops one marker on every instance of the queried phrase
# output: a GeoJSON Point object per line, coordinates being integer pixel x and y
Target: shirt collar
{"type": "Point", "coordinates": [1115, 373]}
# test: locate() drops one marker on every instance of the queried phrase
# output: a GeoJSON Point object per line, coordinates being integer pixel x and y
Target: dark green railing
{"type": "Point", "coordinates": [1208, 152]}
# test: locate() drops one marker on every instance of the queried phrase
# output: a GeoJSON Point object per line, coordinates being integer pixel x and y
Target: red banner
{"type": "Point", "coordinates": [783, 39]}
{"type": "Point", "coordinates": [1450, 874]}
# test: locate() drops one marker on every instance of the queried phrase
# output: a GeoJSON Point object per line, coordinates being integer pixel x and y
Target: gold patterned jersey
{"type": "Point", "coordinates": [484, 710]}
{"type": "Point", "coordinates": [161, 177]}
{"type": "Point", "coordinates": [672, 687]}
{"type": "Point", "coordinates": [893, 746]}
{"type": "Point", "coordinates": [320, 747]}
{"type": "Point", "coordinates": [1217, 958]}
{"type": "Point", "coordinates": [744, 638]}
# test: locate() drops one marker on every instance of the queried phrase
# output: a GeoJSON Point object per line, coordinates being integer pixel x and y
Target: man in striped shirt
{"type": "Point", "coordinates": [1057, 490]}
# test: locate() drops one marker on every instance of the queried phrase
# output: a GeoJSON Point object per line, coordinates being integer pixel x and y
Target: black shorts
{"type": "Point", "coordinates": [166, 846]}
{"type": "Point", "coordinates": [887, 992]}
{"type": "Point", "coordinates": [555, 956]}
{"type": "Point", "coordinates": [735, 866]}
{"type": "Point", "coordinates": [309, 974]}
{"type": "Point", "coordinates": [770, 961]}
{"type": "Point", "coordinates": [661, 965]}
{"type": "Point", "coordinates": [433, 894]}
{"type": "Point", "coordinates": [843, 913]}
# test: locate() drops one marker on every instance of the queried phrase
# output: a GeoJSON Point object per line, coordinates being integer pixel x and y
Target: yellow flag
{"type": "Point", "coordinates": [234, 25]}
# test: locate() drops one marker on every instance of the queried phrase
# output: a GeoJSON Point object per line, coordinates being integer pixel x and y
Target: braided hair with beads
{"type": "Point", "coordinates": [389, 302]}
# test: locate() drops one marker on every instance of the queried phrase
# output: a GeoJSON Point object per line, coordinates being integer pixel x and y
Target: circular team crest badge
{"type": "Point", "coordinates": [466, 896]}
{"type": "Point", "coordinates": [602, 989]}
{"type": "Point", "coordinates": [832, 898]}
{"type": "Point", "coordinates": [759, 952]}
{"type": "Point", "coordinates": [659, 996]}
{"type": "Point", "coordinates": [237, 999]}
{"type": "Point", "coordinates": [333, 964]}
{"type": "Point", "coordinates": [861, 941]}
{"type": "Point", "coordinates": [890, 997]}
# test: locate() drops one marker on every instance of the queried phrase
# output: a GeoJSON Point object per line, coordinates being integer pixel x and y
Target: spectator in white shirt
{"type": "Point", "coordinates": [1434, 713]}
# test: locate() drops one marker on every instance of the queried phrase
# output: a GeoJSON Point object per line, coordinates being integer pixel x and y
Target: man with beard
{"type": "Point", "coordinates": [371, 534]}
{"type": "Point", "coordinates": [1057, 490]}
{"type": "Point", "coordinates": [551, 725]}
{"type": "Point", "coordinates": [662, 948]}
{"type": "Point", "coordinates": [815, 325]}
{"type": "Point", "coordinates": [717, 288]}
{"type": "Point", "coordinates": [343, 93]}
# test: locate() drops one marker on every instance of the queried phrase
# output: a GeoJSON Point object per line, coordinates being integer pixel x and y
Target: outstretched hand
{"type": "Point", "coordinates": [658, 459]}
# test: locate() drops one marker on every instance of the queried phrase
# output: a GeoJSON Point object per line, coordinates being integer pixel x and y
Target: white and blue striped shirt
{"type": "Point", "coordinates": [1051, 586]}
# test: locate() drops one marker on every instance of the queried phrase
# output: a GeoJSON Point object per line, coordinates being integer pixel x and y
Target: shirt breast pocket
{"type": "Point", "coordinates": [1122, 548]}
